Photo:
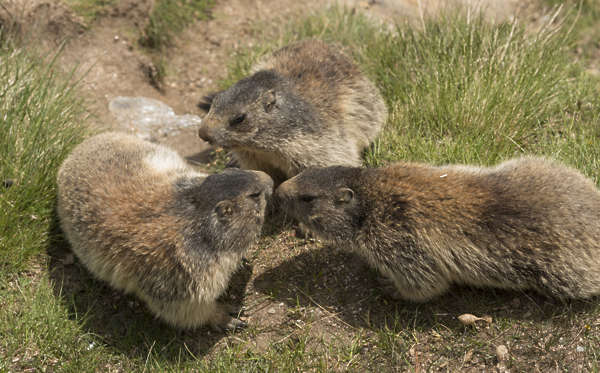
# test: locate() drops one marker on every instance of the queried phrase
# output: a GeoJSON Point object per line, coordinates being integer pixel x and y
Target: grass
{"type": "Point", "coordinates": [89, 9]}
{"type": "Point", "coordinates": [38, 333]}
{"type": "Point", "coordinates": [41, 121]}
{"type": "Point", "coordinates": [584, 15]}
{"type": "Point", "coordinates": [458, 90]}
{"type": "Point", "coordinates": [42, 118]}
{"type": "Point", "coordinates": [169, 17]}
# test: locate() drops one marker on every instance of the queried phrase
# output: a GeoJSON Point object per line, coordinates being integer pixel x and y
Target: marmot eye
{"type": "Point", "coordinates": [237, 120]}
{"type": "Point", "coordinates": [307, 198]}
{"type": "Point", "coordinates": [254, 195]}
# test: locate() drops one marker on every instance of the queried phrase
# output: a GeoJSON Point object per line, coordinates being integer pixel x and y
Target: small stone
{"type": "Point", "coordinates": [412, 351]}
{"type": "Point", "coordinates": [501, 353]}
{"type": "Point", "coordinates": [468, 356]}
{"type": "Point", "coordinates": [467, 319]}
{"type": "Point", "coordinates": [271, 310]}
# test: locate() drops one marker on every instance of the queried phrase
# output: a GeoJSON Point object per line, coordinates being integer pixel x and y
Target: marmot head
{"type": "Point", "coordinates": [327, 200]}
{"type": "Point", "coordinates": [256, 113]}
{"type": "Point", "coordinates": [229, 208]}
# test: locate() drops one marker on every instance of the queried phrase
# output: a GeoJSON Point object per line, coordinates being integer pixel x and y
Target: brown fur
{"type": "Point", "coordinates": [305, 105]}
{"type": "Point", "coordinates": [139, 218]}
{"type": "Point", "coordinates": [527, 223]}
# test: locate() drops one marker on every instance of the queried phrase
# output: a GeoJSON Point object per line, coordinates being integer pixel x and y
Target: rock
{"type": "Point", "coordinates": [502, 353]}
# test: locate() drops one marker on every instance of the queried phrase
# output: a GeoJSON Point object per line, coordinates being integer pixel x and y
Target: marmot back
{"type": "Point", "coordinates": [527, 223]}
{"type": "Point", "coordinates": [305, 105]}
{"type": "Point", "coordinates": [139, 218]}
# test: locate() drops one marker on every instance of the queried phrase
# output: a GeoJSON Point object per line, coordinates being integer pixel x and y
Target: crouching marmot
{"type": "Point", "coordinates": [139, 218]}
{"type": "Point", "coordinates": [305, 105]}
{"type": "Point", "coordinates": [526, 223]}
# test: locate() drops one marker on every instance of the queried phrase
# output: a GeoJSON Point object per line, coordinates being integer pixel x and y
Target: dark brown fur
{"type": "Point", "coordinates": [139, 218]}
{"type": "Point", "coordinates": [305, 105]}
{"type": "Point", "coordinates": [526, 223]}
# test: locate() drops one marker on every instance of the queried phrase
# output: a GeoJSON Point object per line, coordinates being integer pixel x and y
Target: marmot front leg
{"type": "Point", "coordinates": [223, 320]}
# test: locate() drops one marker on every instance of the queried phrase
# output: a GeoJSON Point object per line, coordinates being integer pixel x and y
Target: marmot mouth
{"type": "Point", "coordinates": [315, 223]}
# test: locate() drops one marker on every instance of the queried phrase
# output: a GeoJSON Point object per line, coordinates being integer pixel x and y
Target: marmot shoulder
{"type": "Point", "coordinates": [528, 223]}
{"type": "Point", "coordinates": [305, 105]}
{"type": "Point", "coordinates": [138, 217]}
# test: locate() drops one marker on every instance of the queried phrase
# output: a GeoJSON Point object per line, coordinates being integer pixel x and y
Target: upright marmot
{"type": "Point", "coordinates": [305, 105]}
{"type": "Point", "coordinates": [139, 218]}
{"type": "Point", "coordinates": [526, 223]}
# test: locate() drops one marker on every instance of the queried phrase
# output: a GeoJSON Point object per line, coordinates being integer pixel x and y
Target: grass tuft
{"type": "Point", "coordinates": [89, 9]}
{"type": "Point", "coordinates": [169, 17]}
{"type": "Point", "coordinates": [38, 333]}
{"type": "Point", "coordinates": [41, 120]}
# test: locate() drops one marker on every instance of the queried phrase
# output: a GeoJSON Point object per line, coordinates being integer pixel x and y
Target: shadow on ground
{"type": "Point", "coordinates": [122, 321]}
{"type": "Point", "coordinates": [343, 284]}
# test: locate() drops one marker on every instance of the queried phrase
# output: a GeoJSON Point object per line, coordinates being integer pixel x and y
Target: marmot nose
{"type": "Point", "coordinates": [204, 134]}
{"type": "Point", "coordinates": [284, 192]}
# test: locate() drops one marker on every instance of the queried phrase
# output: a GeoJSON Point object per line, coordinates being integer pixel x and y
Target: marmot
{"type": "Point", "coordinates": [138, 217]}
{"type": "Point", "coordinates": [305, 105]}
{"type": "Point", "coordinates": [527, 223]}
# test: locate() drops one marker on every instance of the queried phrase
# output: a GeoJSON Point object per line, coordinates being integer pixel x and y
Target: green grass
{"type": "Point", "coordinates": [584, 18]}
{"type": "Point", "coordinates": [169, 17]}
{"type": "Point", "coordinates": [89, 9]}
{"type": "Point", "coordinates": [41, 121]}
{"type": "Point", "coordinates": [38, 333]}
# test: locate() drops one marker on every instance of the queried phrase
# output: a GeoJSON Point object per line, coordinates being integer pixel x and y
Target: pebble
{"type": "Point", "coordinates": [501, 353]}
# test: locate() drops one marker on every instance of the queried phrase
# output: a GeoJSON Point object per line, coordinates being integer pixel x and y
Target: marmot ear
{"type": "Point", "coordinates": [344, 195]}
{"type": "Point", "coordinates": [269, 100]}
{"type": "Point", "coordinates": [224, 210]}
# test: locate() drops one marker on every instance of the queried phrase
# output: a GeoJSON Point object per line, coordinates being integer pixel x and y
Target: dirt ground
{"type": "Point", "coordinates": [282, 268]}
